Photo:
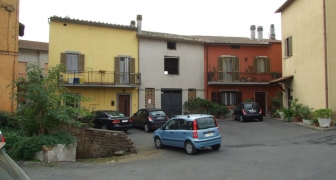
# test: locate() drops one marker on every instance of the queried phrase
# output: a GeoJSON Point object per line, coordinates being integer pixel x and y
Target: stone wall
{"type": "Point", "coordinates": [95, 143]}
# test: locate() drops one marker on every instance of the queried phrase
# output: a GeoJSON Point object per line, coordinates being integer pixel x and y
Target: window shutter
{"type": "Point", "coordinates": [285, 47]}
{"type": "Point", "coordinates": [268, 65]}
{"type": "Point", "coordinates": [63, 59]}
{"type": "Point", "coordinates": [255, 65]}
{"type": "Point", "coordinates": [81, 63]}
{"type": "Point", "coordinates": [290, 46]}
{"type": "Point", "coordinates": [132, 70]}
{"type": "Point", "coordinates": [238, 98]}
{"type": "Point", "coordinates": [236, 69]}
{"type": "Point", "coordinates": [220, 68]}
{"type": "Point", "coordinates": [116, 71]}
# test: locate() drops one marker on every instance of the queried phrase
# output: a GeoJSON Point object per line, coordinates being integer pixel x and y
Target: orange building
{"type": "Point", "coordinates": [240, 68]}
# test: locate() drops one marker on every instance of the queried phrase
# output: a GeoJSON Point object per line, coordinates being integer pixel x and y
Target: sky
{"type": "Point", "coordinates": [183, 17]}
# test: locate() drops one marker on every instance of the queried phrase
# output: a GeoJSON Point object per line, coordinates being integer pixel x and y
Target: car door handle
{"type": "Point", "coordinates": [171, 133]}
{"type": "Point", "coordinates": [184, 132]}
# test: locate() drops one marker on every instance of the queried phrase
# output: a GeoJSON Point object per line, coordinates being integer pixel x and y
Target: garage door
{"type": "Point", "coordinates": [171, 101]}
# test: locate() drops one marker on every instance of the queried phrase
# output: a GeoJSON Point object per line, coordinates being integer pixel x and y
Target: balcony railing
{"type": "Point", "coordinates": [241, 77]}
{"type": "Point", "coordinates": [100, 78]}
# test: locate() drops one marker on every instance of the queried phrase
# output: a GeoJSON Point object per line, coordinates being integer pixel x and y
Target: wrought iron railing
{"type": "Point", "coordinates": [241, 77]}
{"type": "Point", "coordinates": [100, 78]}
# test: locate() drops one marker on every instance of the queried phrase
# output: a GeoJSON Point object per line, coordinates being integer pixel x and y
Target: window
{"type": "Point", "coordinates": [228, 68]}
{"type": "Point", "coordinates": [229, 98]}
{"type": "Point", "coordinates": [288, 47]}
{"type": "Point", "coordinates": [171, 45]}
{"type": "Point", "coordinates": [171, 65]}
{"type": "Point", "coordinates": [235, 47]}
{"type": "Point", "coordinates": [216, 97]}
{"type": "Point", "coordinates": [149, 98]}
{"type": "Point", "coordinates": [73, 100]}
{"type": "Point", "coordinates": [73, 61]}
{"type": "Point", "coordinates": [262, 64]}
{"type": "Point", "coordinates": [124, 70]}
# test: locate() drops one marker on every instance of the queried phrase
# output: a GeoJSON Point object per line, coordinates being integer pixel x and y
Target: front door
{"type": "Point", "coordinates": [124, 104]}
{"type": "Point", "coordinates": [171, 102]}
{"type": "Point", "coordinates": [260, 98]}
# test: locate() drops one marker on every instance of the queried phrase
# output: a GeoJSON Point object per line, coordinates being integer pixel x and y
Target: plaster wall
{"type": "Point", "coordinates": [34, 56]}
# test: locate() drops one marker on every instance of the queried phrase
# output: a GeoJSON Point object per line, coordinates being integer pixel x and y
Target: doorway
{"type": "Point", "coordinates": [124, 104]}
{"type": "Point", "coordinates": [260, 98]}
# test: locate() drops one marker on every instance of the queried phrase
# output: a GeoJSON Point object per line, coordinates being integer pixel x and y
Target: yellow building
{"type": "Point", "coordinates": [10, 29]}
{"type": "Point", "coordinates": [308, 63]}
{"type": "Point", "coordinates": [101, 61]}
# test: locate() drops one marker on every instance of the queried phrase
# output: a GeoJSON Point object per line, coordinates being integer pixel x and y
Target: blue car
{"type": "Point", "coordinates": [192, 132]}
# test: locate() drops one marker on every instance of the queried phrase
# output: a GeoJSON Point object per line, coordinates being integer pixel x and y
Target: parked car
{"type": "Point", "coordinates": [192, 132]}
{"type": "Point", "coordinates": [149, 118]}
{"type": "Point", "coordinates": [247, 111]}
{"type": "Point", "coordinates": [110, 119]}
{"type": "Point", "coordinates": [9, 170]}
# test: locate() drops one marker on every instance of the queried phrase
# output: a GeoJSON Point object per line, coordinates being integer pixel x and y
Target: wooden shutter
{"type": "Point", "coordinates": [290, 46]}
{"type": "Point", "coordinates": [268, 65]}
{"type": "Point", "coordinates": [236, 69]}
{"type": "Point", "coordinates": [132, 70]}
{"type": "Point", "coordinates": [255, 65]}
{"type": "Point", "coordinates": [220, 68]}
{"type": "Point", "coordinates": [239, 98]}
{"type": "Point", "coordinates": [63, 59]}
{"type": "Point", "coordinates": [81, 63]}
{"type": "Point", "coordinates": [286, 47]}
{"type": "Point", "coordinates": [116, 71]}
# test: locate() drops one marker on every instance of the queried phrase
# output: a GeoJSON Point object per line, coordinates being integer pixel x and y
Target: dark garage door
{"type": "Point", "coordinates": [171, 101]}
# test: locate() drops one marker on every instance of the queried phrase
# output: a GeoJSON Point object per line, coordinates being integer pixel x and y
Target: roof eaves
{"type": "Point", "coordinates": [284, 6]}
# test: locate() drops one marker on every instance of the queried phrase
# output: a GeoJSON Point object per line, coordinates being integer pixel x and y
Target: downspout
{"type": "Point", "coordinates": [325, 55]}
{"type": "Point", "coordinates": [206, 80]}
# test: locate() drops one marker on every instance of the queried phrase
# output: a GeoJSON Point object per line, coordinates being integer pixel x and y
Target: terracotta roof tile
{"type": "Point", "coordinates": [33, 45]}
{"type": "Point", "coordinates": [159, 35]}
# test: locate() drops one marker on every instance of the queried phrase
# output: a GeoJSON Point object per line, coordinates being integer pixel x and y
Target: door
{"type": "Point", "coordinates": [260, 98]}
{"type": "Point", "coordinates": [168, 134]}
{"type": "Point", "coordinates": [171, 102]}
{"type": "Point", "coordinates": [124, 104]}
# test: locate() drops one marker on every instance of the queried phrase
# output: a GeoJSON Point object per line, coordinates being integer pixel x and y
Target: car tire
{"type": "Point", "coordinates": [190, 148]}
{"type": "Point", "coordinates": [215, 147]}
{"type": "Point", "coordinates": [125, 131]}
{"type": "Point", "coordinates": [104, 127]}
{"type": "Point", "coordinates": [242, 119]}
{"type": "Point", "coordinates": [147, 128]}
{"type": "Point", "coordinates": [261, 119]}
{"type": "Point", "coordinates": [158, 142]}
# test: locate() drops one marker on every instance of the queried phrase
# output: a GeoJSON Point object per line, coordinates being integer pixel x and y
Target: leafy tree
{"type": "Point", "coordinates": [44, 108]}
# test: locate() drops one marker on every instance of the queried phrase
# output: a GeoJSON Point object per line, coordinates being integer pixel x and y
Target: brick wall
{"type": "Point", "coordinates": [95, 143]}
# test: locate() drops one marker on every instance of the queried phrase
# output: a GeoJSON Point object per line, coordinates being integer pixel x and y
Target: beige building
{"type": "Point", "coordinates": [308, 51]}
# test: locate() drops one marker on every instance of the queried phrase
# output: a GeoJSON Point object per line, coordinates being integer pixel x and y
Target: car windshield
{"type": "Point", "coordinates": [158, 113]}
{"type": "Point", "coordinates": [251, 106]}
{"type": "Point", "coordinates": [205, 123]}
{"type": "Point", "coordinates": [115, 113]}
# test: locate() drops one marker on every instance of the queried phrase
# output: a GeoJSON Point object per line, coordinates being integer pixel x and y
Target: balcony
{"type": "Point", "coordinates": [254, 78]}
{"type": "Point", "coordinates": [100, 79]}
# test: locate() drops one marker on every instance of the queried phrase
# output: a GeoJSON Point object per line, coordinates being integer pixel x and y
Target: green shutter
{"type": "Point", "coordinates": [220, 68]}
{"type": "Point", "coordinates": [285, 47]}
{"type": "Point", "coordinates": [290, 46]}
{"type": "Point", "coordinates": [255, 65]}
{"type": "Point", "coordinates": [81, 63]}
{"type": "Point", "coordinates": [268, 65]}
{"type": "Point", "coordinates": [236, 69]}
{"type": "Point", "coordinates": [239, 97]}
{"type": "Point", "coordinates": [116, 71]}
{"type": "Point", "coordinates": [63, 59]}
{"type": "Point", "coordinates": [132, 70]}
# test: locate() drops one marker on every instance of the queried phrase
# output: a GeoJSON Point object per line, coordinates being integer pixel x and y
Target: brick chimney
{"type": "Point", "coordinates": [260, 33]}
{"type": "Point", "coordinates": [133, 23]}
{"type": "Point", "coordinates": [252, 28]}
{"type": "Point", "coordinates": [139, 20]}
{"type": "Point", "coordinates": [272, 32]}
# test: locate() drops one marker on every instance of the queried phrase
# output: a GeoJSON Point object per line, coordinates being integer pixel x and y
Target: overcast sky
{"type": "Point", "coordinates": [184, 17]}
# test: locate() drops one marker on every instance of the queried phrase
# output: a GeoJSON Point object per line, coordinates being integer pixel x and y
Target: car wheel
{"type": "Point", "coordinates": [190, 148]}
{"type": "Point", "coordinates": [147, 128]}
{"type": "Point", "coordinates": [104, 127]}
{"type": "Point", "coordinates": [261, 119]}
{"type": "Point", "coordinates": [215, 147]}
{"type": "Point", "coordinates": [242, 119]}
{"type": "Point", "coordinates": [158, 143]}
{"type": "Point", "coordinates": [125, 131]}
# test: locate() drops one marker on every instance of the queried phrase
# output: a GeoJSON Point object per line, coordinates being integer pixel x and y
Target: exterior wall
{"type": "Point", "coordinates": [100, 45]}
{"type": "Point", "coordinates": [9, 28]}
{"type": "Point", "coordinates": [303, 20]}
{"type": "Point", "coordinates": [331, 53]}
{"type": "Point", "coordinates": [152, 53]}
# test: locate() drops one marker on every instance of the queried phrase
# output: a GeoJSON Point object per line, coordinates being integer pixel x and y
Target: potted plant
{"type": "Point", "coordinates": [275, 75]}
{"type": "Point", "coordinates": [323, 116]}
{"type": "Point", "coordinates": [288, 114]}
{"type": "Point", "coordinates": [296, 106]}
{"type": "Point", "coordinates": [306, 114]}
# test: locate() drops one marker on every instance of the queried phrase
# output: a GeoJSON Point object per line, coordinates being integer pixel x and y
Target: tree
{"type": "Point", "coordinates": [44, 107]}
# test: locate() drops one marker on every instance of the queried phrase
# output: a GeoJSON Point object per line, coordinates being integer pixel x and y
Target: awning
{"type": "Point", "coordinates": [284, 80]}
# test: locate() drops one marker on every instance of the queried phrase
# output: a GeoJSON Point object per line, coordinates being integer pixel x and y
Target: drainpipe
{"type": "Point", "coordinates": [325, 55]}
{"type": "Point", "coordinates": [207, 62]}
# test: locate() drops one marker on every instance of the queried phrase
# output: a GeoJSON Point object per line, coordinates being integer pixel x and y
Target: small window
{"type": "Point", "coordinates": [171, 65]}
{"type": "Point", "coordinates": [235, 47]}
{"type": "Point", "coordinates": [191, 94]}
{"type": "Point", "coordinates": [288, 47]}
{"type": "Point", "coordinates": [171, 45]}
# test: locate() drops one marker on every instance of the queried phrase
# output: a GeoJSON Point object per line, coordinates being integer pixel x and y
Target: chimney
{"type": "Point", "coordinates": [139, 19]}
{"type": "Point", "coordinates": [132, 23]}
{"type": "Point", "coordinates": [260, 33]}
{"type": "Point", "coordinates": [272, 34]}
{"type": "Point", "coordinates": [252, 28]}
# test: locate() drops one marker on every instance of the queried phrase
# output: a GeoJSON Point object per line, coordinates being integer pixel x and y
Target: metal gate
{"type": "Point", "coordinates": [171, 101]}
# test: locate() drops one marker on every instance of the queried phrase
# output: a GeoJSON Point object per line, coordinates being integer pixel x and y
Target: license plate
{"type": "Point", "coordinates": [124, 121]}
{"type": "Point", "coordinates": [209, 134]}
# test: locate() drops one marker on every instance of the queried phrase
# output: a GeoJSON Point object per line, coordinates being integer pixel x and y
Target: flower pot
{"type": "Point", "coordinates": [297, 119]}
{"type": "Point", "coordinates": [316, 124]}
{"type": "Point", "coordinates": [282, 114]}
{"type": "Point", "coordinates": [307, 122]}
{"type": "Point", "coordinates": [324, 122]}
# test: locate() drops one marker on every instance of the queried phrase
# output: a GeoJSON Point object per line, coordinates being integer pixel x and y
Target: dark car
{"type": "Point", "coordinates": [149, 118]}
{"type": "Point", "coordinates": [247, 111]}
{"type": "Point", "coordinates": [110, 119]}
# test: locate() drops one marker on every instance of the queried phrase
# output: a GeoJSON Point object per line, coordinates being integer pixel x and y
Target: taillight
{"type": "Point", "coordinates": [150, 119]}
{"type": "Point", "coordinates": [195, 134]}
{"type": "Point", "coordinates": [115, 121]}
{"type": "Point", "coordinates": [244, 111]}
{"type": "Point", "coordinates": [2, 138]}
{"type": "Point", "coordinates": [260, 111]}
{"type": "Point", "coordinates": [167, 118]}
{"type": "Point", "coordinates": [130, 120]}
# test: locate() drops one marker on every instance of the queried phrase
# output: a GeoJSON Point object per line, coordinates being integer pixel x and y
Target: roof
{"type": "Point", "coordinates": [284, 6]}
{"type": "Point", "coordinates": [33, 45]}
{"type": "Point", "coordinates": [92, 23]}
{"type": "Point", "coordinates": [207, 39]}
{"type": "Point", "coordinates": [282, 79]}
